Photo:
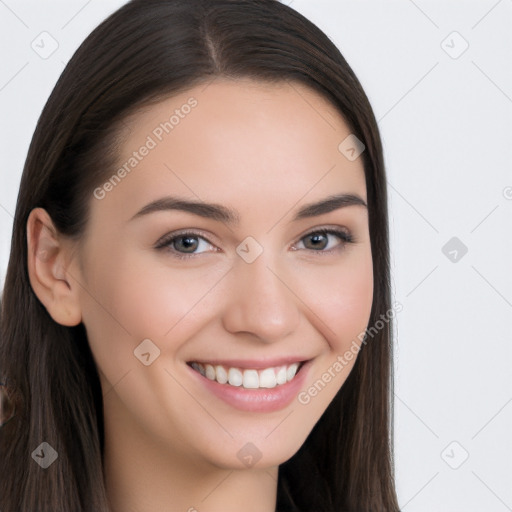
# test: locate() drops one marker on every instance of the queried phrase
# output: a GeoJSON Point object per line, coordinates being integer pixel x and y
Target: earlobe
{"type": "Point", "coordinates": [48, 268]}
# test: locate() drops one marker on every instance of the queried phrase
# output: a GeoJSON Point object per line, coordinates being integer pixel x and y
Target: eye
{"type": "Point", "coordinates": [325, 240]}
{"type": "Point", "coordinates": [187, 244]}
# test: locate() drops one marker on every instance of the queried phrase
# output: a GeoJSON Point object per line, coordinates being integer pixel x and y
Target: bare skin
{"type": "Point", "coordinates": [264, 150]}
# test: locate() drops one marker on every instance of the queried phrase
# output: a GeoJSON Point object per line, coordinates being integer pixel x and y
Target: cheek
{"type": "Point", "coordinates": [127, 300]}
{"type": "Point", "coordinates": [342, 305]}
{"type": "Point", "coordinates": [341, 298]}
{"type": "Point", "coordinates": [351, 304]}
{"type": "Point", "coordinates": [147, 297]}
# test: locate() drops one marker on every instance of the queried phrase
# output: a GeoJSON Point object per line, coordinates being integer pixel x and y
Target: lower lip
{"type": "Point", "coordinates": [257, 400]}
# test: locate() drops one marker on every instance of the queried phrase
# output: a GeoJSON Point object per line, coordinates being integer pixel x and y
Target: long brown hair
{"type": "Point", "coordinates": [147, 50]}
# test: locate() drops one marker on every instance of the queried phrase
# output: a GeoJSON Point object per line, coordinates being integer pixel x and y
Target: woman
{"type": "Point", "coordinates": [192, 316]}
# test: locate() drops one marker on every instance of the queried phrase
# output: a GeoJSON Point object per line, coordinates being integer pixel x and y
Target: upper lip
{"type": "Point", "coordinates": [256, 364]}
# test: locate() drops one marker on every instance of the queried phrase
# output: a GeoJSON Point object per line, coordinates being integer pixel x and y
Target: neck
{"type": "Point", "coordinates": [144, 475]}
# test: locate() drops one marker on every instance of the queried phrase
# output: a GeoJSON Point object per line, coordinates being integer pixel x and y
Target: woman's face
{"type": "Point", "coordinates": [215, 245]}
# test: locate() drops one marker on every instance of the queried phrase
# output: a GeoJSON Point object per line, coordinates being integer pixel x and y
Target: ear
{"type": "Point", "coordinates": [49, 269]}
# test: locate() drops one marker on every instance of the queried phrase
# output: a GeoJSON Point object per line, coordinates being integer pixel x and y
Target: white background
{"type": "Point", "coordinates": [446, 123]}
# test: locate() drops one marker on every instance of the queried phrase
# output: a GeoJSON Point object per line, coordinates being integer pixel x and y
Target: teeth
{"type": "Point", "coordinates": [235, 377]}
{"type": "Point", "coordinates": [281, 375]}
{"type": "Point", "coordinates": [268, 378]}
{"type": "Point", "coordinates": [249, 379]}
{"type": "Point", "coordinates": [210, 372]}
{"type": "Point", "coordinates": [222, 375]}
{"type": "Point", "coordinates": [199, 368]}
{"type": "Point", "coordinates": [291, 371]}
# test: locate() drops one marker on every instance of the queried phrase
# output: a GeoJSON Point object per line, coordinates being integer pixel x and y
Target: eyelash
{"type": "Point", "coordinates": [166, 241]}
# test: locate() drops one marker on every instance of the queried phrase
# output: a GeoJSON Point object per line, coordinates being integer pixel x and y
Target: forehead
{"type": "Point", "coordinates": [234, 140]}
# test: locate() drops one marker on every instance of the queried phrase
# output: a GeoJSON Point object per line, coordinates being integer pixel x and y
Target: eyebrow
{"type": "Point", "coordinates": [229, 216]}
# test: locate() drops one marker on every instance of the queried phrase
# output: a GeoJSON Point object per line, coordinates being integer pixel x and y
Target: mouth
{"type": "Point", "coordinates": [248, 378]}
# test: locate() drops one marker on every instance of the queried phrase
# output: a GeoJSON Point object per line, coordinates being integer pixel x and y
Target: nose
{"type": "Point", "coordinates": [261, 302]}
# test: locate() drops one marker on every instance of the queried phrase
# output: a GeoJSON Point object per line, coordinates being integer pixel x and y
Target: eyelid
{"type": "Point", "coordinates": [165, 239]}
{"type": "Point", "coordinates": [343, 233]}
{"type": "Point", "coordinates": [326, 227]}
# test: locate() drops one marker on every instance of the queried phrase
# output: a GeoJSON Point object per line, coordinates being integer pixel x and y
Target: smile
{"type": "Point", "coordinates": [248, 378]}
